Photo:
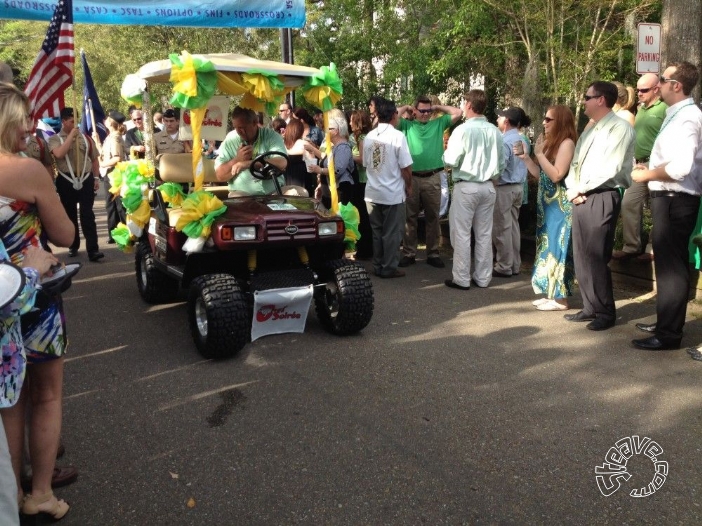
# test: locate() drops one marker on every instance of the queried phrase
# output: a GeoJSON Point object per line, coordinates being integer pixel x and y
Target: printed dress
{"type": "Point", "coordinates": [553, 273]}
{"type": "Point", "coordinates": [43, 329]}
{"type": "Point", "coordinates": [13, 357]}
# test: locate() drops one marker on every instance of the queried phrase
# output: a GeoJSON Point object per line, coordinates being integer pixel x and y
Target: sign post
{"type": "Point", "coordinates": [648, 49]}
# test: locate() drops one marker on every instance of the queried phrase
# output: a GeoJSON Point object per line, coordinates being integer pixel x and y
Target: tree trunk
{"type": "Point", "coordinates": [682, 34]}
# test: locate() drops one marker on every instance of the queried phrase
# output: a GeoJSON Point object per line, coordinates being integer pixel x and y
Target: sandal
{"type": "Point", "coordinates": [46, 504]}
{"type": "Point", "coordinates": [551, 305]}
{"type": "Point", "coordinates": [540, 301]}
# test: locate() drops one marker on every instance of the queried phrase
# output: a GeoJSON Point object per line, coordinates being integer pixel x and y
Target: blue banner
{"type": "Point", "coordinates": [191, 13]}
{"type": "Point", "coordinates": [91, 102]}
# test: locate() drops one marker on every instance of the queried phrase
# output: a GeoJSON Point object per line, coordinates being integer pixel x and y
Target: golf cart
{"type": "Point", "coordinates": [259, 259]}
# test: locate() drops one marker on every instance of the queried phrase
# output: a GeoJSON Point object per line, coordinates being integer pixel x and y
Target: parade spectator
{"type": "Point", "coordinates": [506, 235]}
{"type": "Point", "coordinates": [318, 117]}
{"type": "Point", "coordinates": [77, 181]}
{"type": "Point", "coordinates": [311, 132]}
{"type": "Point", "coordinates": [674, 179]}
{"type": "Point", "coordinates": [425, 137]}
{"type": "Point", "coordinates": [36, 263]}
{"type": "Point", "coordinates": [134, 138]}
{"type": "Point", "coordinates": [158, 120]}
{"type": "Point", "coordinates": [284, 112]}
{"type": "Point", "coordinates": [388, 165]}
{"type": "Point", "coordinates": [38, 148]}
{"type": "Point", "coordinates": [344, 166]}
{"type": "Point", "coordinates": [279, 125]}
{"type": "Point", "coordinates": [475, 152]}
{"type": "Point", "coordinates": [360, 126]}
{"type": "Point", "coordinates": [649, 119]}
{"type": "Point", "coordinates": [113, 153]}
{"type": "Point", "coordinates": [625, 101]}
{"type": "Point", "coordinates": [240, 147]}
{"type": "Point", "coordinates": [598, 175]}
{"type": "Point", "coordinates": [167, 140]}
{"type": "Point", "coordinates": [29, 215]}
{"type": "Point", "coordinates": [553, 273]}
{"type": "Point", "coordinates": [296, 172]}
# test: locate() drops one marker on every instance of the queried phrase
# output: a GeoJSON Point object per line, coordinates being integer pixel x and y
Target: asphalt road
{"type": "Point", "coordinates": [451, 407]}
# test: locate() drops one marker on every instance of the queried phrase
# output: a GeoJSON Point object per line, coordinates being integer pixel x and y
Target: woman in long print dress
{"type": "Point", "coordinates": [553, 273]}
{"type": "Point", "coordinates": [31, 213]}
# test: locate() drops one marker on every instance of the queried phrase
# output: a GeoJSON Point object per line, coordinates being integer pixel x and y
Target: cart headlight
{"type": "Point", "coordinates": [327, 229]}
{"type": "Point", "coordinates": [244, 233]}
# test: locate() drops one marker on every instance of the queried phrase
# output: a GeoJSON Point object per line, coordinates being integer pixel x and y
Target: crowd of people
{"type": "Point", "coordinates": [388, 162]}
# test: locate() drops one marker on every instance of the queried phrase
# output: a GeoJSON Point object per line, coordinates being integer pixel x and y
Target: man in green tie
{"type": "Point", "coordinates": [599, 173]}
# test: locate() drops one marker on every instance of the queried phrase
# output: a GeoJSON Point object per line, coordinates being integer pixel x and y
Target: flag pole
{"type": "Point", "coordinates": [75, 112]}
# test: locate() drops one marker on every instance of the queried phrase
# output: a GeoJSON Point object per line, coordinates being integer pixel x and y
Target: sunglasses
{"type": "Point", "coordinates": [663, 80]}
{"type": "Point", "coordinates": [281, 111]}
{"type": "Point", "coordinates": [135, 120]}
{"type": "Point", "coordinates": [643, 90]}
{"type": "Point", "coordinates": [425, 111]}
{"type": "Point", "coordinates": [548, 119]}
{"type": "Point", "coordinates": [589, 97]}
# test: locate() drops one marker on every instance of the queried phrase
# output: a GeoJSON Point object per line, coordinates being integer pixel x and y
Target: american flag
{"type": "Point", "coordinates": [52, 72]}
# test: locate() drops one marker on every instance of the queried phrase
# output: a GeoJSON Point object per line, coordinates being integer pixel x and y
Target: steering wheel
{"type": "Point", "coordinates": [261, 169]}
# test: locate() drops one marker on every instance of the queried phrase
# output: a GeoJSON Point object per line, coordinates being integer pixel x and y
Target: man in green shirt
{"type": "Point", "coordinates": [649, 119]}
{"type": "Point", "coordinates": [241, 146]}
{"type": "Point", "coordinates": [425, 137]}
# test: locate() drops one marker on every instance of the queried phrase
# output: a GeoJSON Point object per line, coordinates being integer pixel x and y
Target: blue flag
{"type": "Point", "coordinates": [91, 101]}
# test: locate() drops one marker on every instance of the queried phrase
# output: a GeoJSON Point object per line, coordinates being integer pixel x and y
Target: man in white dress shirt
{"type": "Point", "coordinates": [674, 179]}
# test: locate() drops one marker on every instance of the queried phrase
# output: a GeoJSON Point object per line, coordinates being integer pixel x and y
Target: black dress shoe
{"type": "Point", "coordinates": [111, 241]}
{"type": "Point", "coordinates": [436, 262]}
{"type": "Point", "coordinates": [450, 283]}
{"type": "Point", "coordinates": [655, 344]}
{"type": "Point", "coordinates": [496, 274]}
{"type": "Point", "coordinates": [600, 324]}
{"type": "Point", "coordinates": [406, 261]}
{"type": "Point", "coordinates": [96, 256]}
{"type": "Point", "coordinates": [646, 327]}
{"type": "Point", "coordinates": [580, 316]}
{"type": "Point", "coordinates": [72, 252]}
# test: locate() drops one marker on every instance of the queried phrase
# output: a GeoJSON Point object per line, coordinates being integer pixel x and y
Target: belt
{"type": "Point", "coordinates": [666, 193]}
{"type": "Point", "coordinates": [601, 190]}
{"type": "Point", "coordinates": [86, 174]}
{"type": "Point", "coordinates": [642, 160]}
{"type": "Point", "coordinates": [456, 181]}
{"type": "Point", "coordinates": [509, 184]}
{"type": "Point", "coordinates": [427, 173]}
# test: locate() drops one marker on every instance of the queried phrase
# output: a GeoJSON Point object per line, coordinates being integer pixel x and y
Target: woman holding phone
{"type": "Point", "coordinates": [553, 273]}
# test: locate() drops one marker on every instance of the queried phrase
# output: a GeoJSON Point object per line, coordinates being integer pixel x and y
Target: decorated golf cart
{"type": "Point", "coordinates": [251, 265]}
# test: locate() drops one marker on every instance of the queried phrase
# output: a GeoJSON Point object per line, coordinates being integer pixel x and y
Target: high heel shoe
{"type": "Point", "coordinates": [42, 505]}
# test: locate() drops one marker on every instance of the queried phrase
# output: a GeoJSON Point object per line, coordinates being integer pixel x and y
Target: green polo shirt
{"type": "Point", "coordinates": [648, 123]}
{"type": "Point", "coordinates": [268, 140]}
{"type": "Point", "coordinates": [426, 142]}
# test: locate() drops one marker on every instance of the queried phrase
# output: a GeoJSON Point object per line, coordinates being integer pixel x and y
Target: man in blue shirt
{"type": "Point", "coordinates": [509, 193]}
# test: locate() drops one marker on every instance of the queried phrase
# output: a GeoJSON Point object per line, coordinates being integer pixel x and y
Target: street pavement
{"type": "Point", "coordinates": [451, 407]}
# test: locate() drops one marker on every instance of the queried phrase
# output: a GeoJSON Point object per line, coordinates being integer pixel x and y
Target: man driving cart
{"type": "Point", "coordinates": [243, 144]}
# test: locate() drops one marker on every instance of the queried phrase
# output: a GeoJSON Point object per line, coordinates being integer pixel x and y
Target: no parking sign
{"type": "Point", "coordinates": [648, 49]}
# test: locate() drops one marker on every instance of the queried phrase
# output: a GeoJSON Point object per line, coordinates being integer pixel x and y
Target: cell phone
{"type": "Point", "coordinates": [518, 148]}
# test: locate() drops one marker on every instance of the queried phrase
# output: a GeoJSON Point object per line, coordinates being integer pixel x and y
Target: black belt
{"type": "Point", "coordinates": [601, 190]}
{"type": "Point", "coordinates": [643, 160]}
{"type": "Point", "coordinates": [666, 193]}
{"type": "Point", "coordinates": [427, 173]}
{"type": "Point", "coordinates": [456, 181]}
{"type": "Point", "coordinates": [509, 184]}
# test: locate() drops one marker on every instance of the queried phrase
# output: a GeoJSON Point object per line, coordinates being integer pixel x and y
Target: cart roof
{"type": "Point", "coordinates": [160, 70]}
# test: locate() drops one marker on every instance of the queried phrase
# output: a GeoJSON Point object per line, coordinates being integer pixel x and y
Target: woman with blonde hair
{"type": "Point", "coordinates": [30, 215]}
{"type": "Point", "coordinates": [553, 272]}
{"type": "Point", "coordinates": [625, 100]}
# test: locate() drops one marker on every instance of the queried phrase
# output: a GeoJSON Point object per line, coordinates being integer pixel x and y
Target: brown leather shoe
{"type": "Point", "coordinates": [62, 476]}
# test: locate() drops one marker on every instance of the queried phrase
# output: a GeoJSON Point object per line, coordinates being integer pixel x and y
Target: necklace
{"type": "Point", "coordinates": [667, 121]}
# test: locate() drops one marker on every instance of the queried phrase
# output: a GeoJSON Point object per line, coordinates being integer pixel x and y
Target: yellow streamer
{"type": "Point", "coordinates": [196, 117]}
{"type": "Point", "coordinates": [185, 79]}
{"type": "Point", "coordinates": [142, 214]}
